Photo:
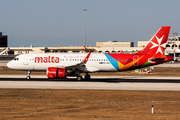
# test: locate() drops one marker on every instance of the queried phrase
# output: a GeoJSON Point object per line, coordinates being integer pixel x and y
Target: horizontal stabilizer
{"type": "Point", "coordinates": [156, 59]}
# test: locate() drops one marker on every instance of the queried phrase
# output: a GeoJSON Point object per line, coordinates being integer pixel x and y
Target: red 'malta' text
{"type": "Point", "coordinates": [49, 59]}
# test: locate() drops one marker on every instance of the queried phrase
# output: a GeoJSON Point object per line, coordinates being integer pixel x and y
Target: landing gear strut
{"type": "Point", "coordinates": [28, 76]}
{"type": "Point", "coordinates": [87, 76]}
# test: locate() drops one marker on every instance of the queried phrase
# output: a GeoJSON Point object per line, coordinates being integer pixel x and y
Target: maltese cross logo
{"type": "Point", "coordinates": [159, 45]}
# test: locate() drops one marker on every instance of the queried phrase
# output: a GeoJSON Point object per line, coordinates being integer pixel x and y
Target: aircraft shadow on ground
{"type": "Point", "coordinates": [108, 80]}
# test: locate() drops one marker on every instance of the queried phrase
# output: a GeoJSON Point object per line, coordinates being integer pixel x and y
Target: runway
{"type": "Point", "coordinates": [96, 83]}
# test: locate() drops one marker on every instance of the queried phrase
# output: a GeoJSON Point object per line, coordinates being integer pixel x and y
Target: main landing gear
{"type": "Point", "coordinates": [28, 76]}
{"type": "Point", "coordinates": [86, 77]}
{"type": "Point", "coordinates": [79, 78]}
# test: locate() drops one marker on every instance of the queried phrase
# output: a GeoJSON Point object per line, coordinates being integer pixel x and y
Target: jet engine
{"type": "Point", "coordinates": [54, 72]}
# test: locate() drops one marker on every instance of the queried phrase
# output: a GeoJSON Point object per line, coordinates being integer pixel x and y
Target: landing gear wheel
{"type": "Point", "coordinates": [79, 78]}
{"type": "Point", "coordinates": [87, 77]}
{"type": "Point", "coordinates": [28, 77]}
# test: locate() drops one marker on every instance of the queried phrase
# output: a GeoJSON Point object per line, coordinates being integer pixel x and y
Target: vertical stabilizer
{"type": "Point", "coordinates": [157, 44]}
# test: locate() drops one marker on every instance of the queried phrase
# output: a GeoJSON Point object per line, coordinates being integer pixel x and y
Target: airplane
{"type": "Point", "coordinates": [61, 65]}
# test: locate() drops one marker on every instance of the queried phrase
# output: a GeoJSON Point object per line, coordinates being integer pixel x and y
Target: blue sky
{"type": "Point", "coordinates": [61, 22]}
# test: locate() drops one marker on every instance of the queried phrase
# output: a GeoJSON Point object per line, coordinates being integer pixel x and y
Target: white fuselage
{"type": "Point", "coordinates": [41, 62]}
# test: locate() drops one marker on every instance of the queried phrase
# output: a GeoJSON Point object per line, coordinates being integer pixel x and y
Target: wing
{"type": "Point", "coordinates": [80, 66]}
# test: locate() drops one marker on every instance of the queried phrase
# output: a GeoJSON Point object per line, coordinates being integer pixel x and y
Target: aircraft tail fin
{"type": "Point", "coordinates": [157, 43]}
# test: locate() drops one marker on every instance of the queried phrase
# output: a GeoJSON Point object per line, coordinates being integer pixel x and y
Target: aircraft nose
{"type": "Point", "coordinates": [9, 64]}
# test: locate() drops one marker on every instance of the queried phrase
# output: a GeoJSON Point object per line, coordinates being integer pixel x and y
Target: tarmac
{"type": "Point", "coordinates": [96, 83]}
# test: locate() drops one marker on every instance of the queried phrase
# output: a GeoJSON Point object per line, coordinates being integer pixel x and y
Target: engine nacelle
{"type": "Point", "coordinates": [54, 72]}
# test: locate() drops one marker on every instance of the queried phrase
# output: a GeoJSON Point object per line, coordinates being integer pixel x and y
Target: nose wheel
{"type": "Point", "coordinates": [28, 76]}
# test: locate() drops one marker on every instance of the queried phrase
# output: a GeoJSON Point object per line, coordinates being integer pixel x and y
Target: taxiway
{"type": "Point", "coordinates": [96, 83]}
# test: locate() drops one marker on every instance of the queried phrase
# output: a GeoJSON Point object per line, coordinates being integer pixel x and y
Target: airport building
{"type": "Point", "coordinates": [104, 47]}
{"type": "Point", "coordinates": [109, 47]}
{"type": "Point", "coordinates": [127, 47]}
{"type": "Point", "coordinates": [114, 44]}
{"type": "Point", "coordinates": [3, 40]}
{"type": "Point", "coordinates": [172, 42]}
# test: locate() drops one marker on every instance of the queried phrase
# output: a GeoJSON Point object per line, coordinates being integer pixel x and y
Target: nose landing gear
{"type": "Point", "coordinates": [28, 76]}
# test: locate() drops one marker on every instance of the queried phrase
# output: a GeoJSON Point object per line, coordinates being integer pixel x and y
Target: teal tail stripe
{"type": "Point", "coordinates": [113, 61]}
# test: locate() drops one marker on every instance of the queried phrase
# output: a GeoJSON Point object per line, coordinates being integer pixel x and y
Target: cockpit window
{"type": "Point", "coordinates": [16, 59]}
